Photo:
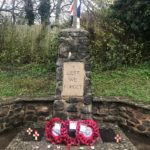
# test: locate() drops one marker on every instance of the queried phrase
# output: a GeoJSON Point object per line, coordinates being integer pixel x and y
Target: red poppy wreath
{"type": "Point", "coordinates": [86, 132]}
{"type": "Point", "coordinates": [54, 131]}
{"type": "Point", "coordinates": [68, 140]}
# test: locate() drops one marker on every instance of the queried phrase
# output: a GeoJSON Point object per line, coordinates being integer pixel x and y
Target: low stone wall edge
{"type": "Point", "coordinates": [135, 115]}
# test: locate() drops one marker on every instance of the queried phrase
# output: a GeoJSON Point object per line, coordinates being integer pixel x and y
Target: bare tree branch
{"type": "Point", "coordinates": [3, 3]}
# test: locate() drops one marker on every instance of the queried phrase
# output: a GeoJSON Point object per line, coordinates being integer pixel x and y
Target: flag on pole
{"type": "Point", "coordinates": [78, 8]}
{"type": "Point", "coordinates": [71, 7]}
{"type": "Point", "coordinates": [78, 12]}
{"type": "Point", "coordinates": [71, 11]}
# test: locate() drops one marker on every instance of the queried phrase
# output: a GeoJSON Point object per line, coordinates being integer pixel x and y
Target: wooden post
{"type": "Point", "coordinates": [75, 14]}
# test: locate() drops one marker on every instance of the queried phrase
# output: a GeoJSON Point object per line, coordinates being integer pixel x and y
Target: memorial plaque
{"type": "Point", "coordinates": [73, 79]}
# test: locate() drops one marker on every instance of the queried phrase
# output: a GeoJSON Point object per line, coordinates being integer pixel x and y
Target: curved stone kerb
{"type": "Point", "coordinates": [122, 100]}
{"type": "Point", "coordinates": [12, 100]}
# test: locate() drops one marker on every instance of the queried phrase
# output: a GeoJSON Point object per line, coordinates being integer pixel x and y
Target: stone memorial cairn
{"type": "Point", "coordinates": [73, 87]}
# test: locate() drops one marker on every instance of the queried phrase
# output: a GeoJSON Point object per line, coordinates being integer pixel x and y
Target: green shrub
{"type": "Point", "coordinates": [112, 45]}
{"type": "Point", "coordinates": [24, 45]}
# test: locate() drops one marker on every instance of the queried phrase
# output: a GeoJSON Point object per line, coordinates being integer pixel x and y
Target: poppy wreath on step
{"type": "Point", "coordinates": [87, 132]}
{"type": "Point", "coordinates": [68, 140]}
{"type": "Point", "coordinates": [54, 130]}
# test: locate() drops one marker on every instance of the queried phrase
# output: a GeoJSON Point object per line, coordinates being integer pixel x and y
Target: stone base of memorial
{"type": "Point", "coordinates": [73, 69]}
{"type": "Point", "coordinates": [106, 142]}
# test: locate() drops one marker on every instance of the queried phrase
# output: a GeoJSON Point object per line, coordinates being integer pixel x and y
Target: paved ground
{"type": "Point", "coordinates": [18, 143]}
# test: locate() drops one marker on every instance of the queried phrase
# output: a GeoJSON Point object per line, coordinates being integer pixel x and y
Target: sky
{"type": "Point", "coordinates": [63, 16]}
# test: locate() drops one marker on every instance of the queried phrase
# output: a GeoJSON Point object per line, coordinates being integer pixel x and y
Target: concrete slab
{"type": "Point", "coordinates": [18, 144]}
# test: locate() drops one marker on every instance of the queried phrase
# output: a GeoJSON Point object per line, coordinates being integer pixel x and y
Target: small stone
{"type": "Point", "coordinates": [130, 124]}
{"type": "Point", "coordinates": [30, 112]}
{"type": "Point", "coordinates": [58, 73]}
{"type": "Point", "coordinates": [135, 121]}
{"type": "Point", "coordinates": [4, 111]}
{"type": "Point", "coordinates": [59, 62]}
{"type": "Point", "coordinates": [42, 113]}
{"type": "Point", "coordinates": [72, 108]}
{"type": "Point", "coordinates": [141, 128]}
{"type": "Point", "coordinates": [131, 114]}
{"type": "Point", "coordinates": [73, 100]}
{"type": "Point", "coordinates": [110, 118]}
{"type": "Point", "coordinates": [14, 106]}
{"type": "Point", "coordinates": [49, 146]}
{"type": "Point", "coordinates": [87, 90]}
{"type": "Point", "coordinates": [58, 91]}
{"type": "Point", "coordinates": [31, 107]}
{"type": "Point", "coordinates": [58, 86]}
{"type": "Point", "coordinates": [88, 67]}
{"type": "Point", "coordinates": [72, 57]}
{"type": "Point", "coordinates": [49, 117]}
{"type": "Point", "coordinates": [31, 118]}
{"type": "Point", "coordinates": [37, 147]}
{"type": "Point", "coordinates": [81, 148]}
{"type": "Point", "coordinates": [147, 134]}
{"type": "Point", "coordinates": [88, 74]}
{"type": "Point", "coordinates": [58, 105]}
{"type": "Point", "coordinates": [59, 70]}
{"type": "Point", "coordinates": [146, 123]}
{"type": "Point", "coordinates": [43, 109]}
{"type": "Point", "coordinates": [88, 99]}
{"type": "Point", "coordinates": [60, 115]}
{"type": "Point", "coordinates": [58, 147]}
{"type": "Point", "coordinates": [73, 116]}
{"type": "Point", "coordinates": [87, 83]}
{"type": "Point", "coordinates": [41, 118]}
{"type": "Point", "coordinates": [86, 110]}
{"type": "Point", "coordinates": [86, 116]}
{"type": "Point", "coordinates": [124, 115]}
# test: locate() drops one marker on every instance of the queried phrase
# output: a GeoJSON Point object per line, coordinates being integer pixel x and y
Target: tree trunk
{"type": "Point", "coordinates": [29, 12]}
{"type": "Point", "coordinates": [44, 11]}
{"type": "Point", "coordinates": [58, 11]}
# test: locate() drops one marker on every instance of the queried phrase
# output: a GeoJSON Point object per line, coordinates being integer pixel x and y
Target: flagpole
{"type": "Point", "coordinates": [75, 14]}
{"type": "Point", "coordinates": [78, 13]}
{"type": "Point", "coordinates": [78, 23]}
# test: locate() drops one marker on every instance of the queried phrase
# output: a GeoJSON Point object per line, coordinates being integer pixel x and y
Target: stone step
{"type": "Point", "coordinates": [19, 144]}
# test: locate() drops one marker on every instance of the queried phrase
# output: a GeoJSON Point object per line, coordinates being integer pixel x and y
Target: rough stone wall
{"type": "Point", "coordinates": [136, 119]}
{"type": "Point", "coordinates": [11, 115]}
{"type": "Point", "coordinates": [37, 111]}
{"type": "Point", "coordinates": [132, 115]}
{"type": "Point", "coordinates": [17, 112]}
{"type": "Point", "coordinates": [74, 42]}
{"type": "Point", "coordinates": [135, 116]}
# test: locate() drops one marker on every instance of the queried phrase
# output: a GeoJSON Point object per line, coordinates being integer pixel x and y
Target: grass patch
{"type": "Point", "coordinates": [130, 82]}
{"type": "Point", "coordinates": [37, 80]}
{"type": "Point", "coordinates": [28, 80]}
